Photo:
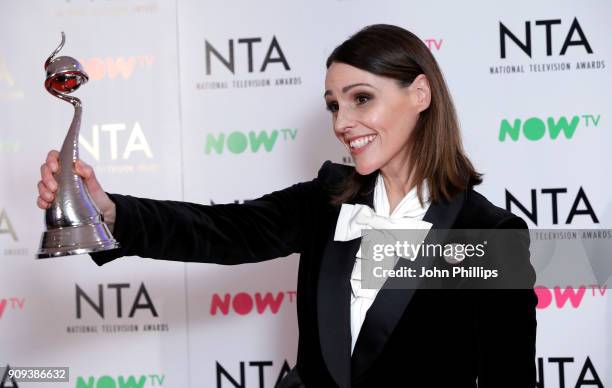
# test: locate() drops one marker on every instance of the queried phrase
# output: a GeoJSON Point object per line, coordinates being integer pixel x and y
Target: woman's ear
{"type": "Point", "coordinates": [422, 92]}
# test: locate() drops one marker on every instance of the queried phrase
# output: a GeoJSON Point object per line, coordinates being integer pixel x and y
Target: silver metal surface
{"type": "Point", "coordinates": [74, 222]}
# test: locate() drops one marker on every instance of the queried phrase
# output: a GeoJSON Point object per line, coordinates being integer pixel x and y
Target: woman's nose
{"type": "Point", "coordinates": [344, 121]}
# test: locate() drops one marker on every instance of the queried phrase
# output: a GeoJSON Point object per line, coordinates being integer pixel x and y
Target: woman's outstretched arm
{"type": "Point", "coordinates": [274, 225]}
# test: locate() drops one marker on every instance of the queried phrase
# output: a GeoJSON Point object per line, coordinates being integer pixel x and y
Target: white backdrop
{"type": "Point", "coordinates": [161, 122]}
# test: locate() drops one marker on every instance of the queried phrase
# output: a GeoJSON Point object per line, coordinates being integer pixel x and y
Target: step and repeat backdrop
{"type": "Point", "coordinates": [222, 101]}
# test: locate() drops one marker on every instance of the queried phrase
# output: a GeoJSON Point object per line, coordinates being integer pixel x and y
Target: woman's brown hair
{"type": "Point", "coordinates": [436, 153]}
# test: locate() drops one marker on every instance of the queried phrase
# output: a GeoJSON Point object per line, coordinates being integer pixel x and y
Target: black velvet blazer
{"type": "Point", "coordinates": [422, 338]}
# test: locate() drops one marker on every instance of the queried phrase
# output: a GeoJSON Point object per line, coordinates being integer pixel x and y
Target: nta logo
{"type": "Point", "coordinates": [142, 300]}
{"type": "Point", "coordinates": [4, 378]}
{"type": "Point", "coordinates": [574, 37]}
{"type": "Point", "coordinates": [243, 303]}
{"type": "Point", "coordinates": [256, 380]}
{"type": "Point", "coordinates": [274, 54]}
{"type": "Point", "coordinates": [532, 212]}
{"type": "Point", "coordinates": [136, 141]}
{"type": "Point", "coordinates": [238, 142]}
{"type": "Point", "coordinates": [112, 68]}
{"type": "Point", "coordinates": [535, 128]}
{"type": "Point", "coordinates": [587, 377]}
{"type": "Point", "coordinates": [106, 381]}
{"type": "Point", "coordinates": [6, 227]}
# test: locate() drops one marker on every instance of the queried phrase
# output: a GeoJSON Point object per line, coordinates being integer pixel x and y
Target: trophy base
{"type": "Point", "coordinates": [76, 240]}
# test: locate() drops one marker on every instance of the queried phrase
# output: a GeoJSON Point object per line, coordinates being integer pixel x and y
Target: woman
{"type": "Point", "coordinates": [390, 107]}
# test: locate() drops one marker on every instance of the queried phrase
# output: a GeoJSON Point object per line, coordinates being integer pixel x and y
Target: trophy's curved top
{"type": "Point", "coordinates": [64, 74]}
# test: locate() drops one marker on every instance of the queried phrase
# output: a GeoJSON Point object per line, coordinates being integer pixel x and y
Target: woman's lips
{"type": "Point", "coordinates": [359, 144]}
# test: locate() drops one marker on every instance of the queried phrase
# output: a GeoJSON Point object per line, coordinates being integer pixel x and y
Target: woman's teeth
{"type": "Point", "coordinates": [362, 141]}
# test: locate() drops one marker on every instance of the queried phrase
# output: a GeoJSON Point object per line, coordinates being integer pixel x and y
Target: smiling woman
{"type": "Point", "coordinates": [390, 107]}
{"type": "Point", "coordinates": [385, 85]}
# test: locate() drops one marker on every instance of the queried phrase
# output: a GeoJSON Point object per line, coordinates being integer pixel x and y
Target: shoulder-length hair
{"type": "Point", "coordinates": [436, 155]}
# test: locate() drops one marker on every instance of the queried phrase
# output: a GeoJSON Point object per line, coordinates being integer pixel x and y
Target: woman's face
{"type": "Point", "coordinates": [373, 116]}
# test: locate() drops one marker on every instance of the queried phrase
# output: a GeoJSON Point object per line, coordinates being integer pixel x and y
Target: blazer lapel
{"type": "Point", "coordinates": [333, 305]}
{"type": "Point", "coordinates": [389, 305]}
{"type": "Point", "coordinates": [334, 297]}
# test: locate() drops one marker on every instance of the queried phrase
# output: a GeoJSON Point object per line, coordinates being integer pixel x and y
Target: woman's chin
{"type": "Point", "coordinates": [365, 168]}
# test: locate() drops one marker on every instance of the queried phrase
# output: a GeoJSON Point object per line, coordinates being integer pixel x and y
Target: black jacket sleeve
{"type": "Point", "coordinates": [274, 225]}
{"type": "Point", "coordinates": [506, 322]}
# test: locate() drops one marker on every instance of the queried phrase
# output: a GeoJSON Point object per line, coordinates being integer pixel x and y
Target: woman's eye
{"type": "Point", "coordinates": [332, 107]}
{"type": "Point", "coordinates": [362, 99]}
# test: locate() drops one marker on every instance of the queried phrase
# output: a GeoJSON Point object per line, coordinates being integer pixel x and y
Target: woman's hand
{"type": "Point", "coordinates": [47, 186]}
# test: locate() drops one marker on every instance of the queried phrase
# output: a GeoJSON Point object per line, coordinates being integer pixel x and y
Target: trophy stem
{"type": "Point", "coordinates": [73, 206]}
{"type": "Point", "coordinates": [74, 222]}
{"type": "Point", "coordinates": [69, 153]}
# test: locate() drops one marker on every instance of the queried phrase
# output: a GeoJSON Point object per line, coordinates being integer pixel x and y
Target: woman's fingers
{"type": "Point", "coordinates": [84, 169]}
{"type": "Point", "coordinates": [47, 177]}
{"type": "Point", "coordinates": [44, 193]}
{"type": "Point", "coordinates": [41, 203]}
{"type": "Point", "coordinates": [47, 185]}
{"type": "Point", "coordinates": [47, 169]}
{"type": "Point", "coordinates": [87, 172]}
{"type": "Point", "coordinates": [53, 160]}
{"type": "Point", "coordinates": [45, 197]}
{"type": "Point", "coordinates": [102, 200]}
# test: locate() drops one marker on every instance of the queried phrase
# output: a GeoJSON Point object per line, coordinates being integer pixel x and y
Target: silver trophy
{"type": "Point", "coordinates": [74, 223]}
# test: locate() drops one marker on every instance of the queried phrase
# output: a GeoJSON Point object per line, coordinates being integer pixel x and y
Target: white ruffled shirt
{"type": "Point", "coordinates": [409, 207]}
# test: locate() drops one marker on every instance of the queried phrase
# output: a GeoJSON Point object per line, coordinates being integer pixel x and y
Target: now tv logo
{"type": "Point", "coordinates": [535, 128]}
{"type": "Point", "coordinates": [433, 44]}
{"type": "Point", "coordinates": [244, 303]}
{"type": "Point", "coordinates": [571, 297]}
{"type": "Point", "coordinates": [116, 67]}
{"type": "Point", "coordinates": [11, 304]}
{"type": "Point", "coordinates": [106, 381]}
